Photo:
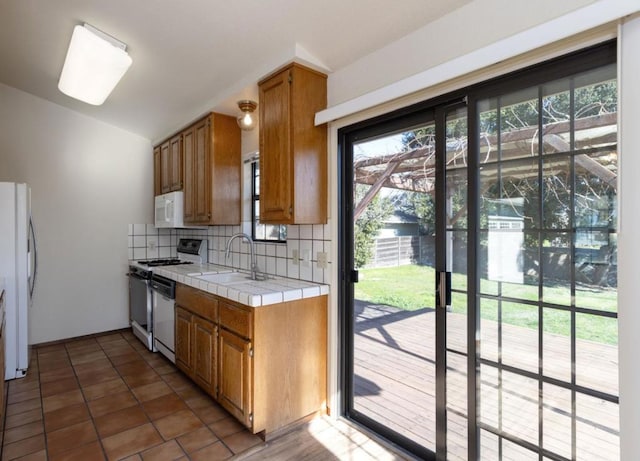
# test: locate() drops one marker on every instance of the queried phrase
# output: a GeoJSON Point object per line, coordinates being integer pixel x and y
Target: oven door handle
{"type": "Point", "coordinates": [164, 291]}
{"type": "Point", "coordinates": [137, 277]}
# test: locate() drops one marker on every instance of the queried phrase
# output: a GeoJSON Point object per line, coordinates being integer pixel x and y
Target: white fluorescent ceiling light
{"type": "Point", "coordinates": [94, 65]}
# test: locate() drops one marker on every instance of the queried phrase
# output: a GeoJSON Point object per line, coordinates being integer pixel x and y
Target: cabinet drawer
{"type": "Point", "coordinates": [197, 301]}
{"type": "Point", "coordinates": [236, 319]}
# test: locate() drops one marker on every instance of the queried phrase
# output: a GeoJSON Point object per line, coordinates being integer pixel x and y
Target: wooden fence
{"type": "Point", "coordinates": [591, 267]}
{"type": "Point", "coordinates": [398, 251]}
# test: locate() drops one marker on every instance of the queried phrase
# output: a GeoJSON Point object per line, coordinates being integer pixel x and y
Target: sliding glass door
{"type": "Point", "coordinates": [547, 302]}
{"type": "Point", "coordinates": [479, 268]}
{"type": "Point", "coordinates": [406, 313]}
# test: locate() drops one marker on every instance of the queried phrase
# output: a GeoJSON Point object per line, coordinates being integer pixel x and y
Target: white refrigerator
{"type": "Point", "coordinates": [18, 267]}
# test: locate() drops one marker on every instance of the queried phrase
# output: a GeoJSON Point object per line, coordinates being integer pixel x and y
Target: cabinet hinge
{"type": "Point", "coordinates": [251, 417]}
{"type": "Point", "coordinates": [290, 77]}
{"type": "Point", "coordinates": [251, 352]}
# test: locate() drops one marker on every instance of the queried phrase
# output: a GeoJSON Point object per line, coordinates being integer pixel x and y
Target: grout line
{"type": "Point", "coordinates": [86, 403]}
{"type": "Point", "coordinates": [134, 396]}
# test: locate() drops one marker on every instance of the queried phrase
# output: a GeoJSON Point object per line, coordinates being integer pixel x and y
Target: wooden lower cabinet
{"type": "Point", "coordinates": [234, 391]}
{"type": "Point", "coordinates": [183, 335]}
{"type": "Point", "coordinates": [204, 353]}
{"type": "Point", "coordinates": [265, 365]}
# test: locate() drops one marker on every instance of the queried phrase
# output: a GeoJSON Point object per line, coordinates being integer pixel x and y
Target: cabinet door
{"type": "Point", "coordinates": [234, 377]}
{"type": "Point", "coordinates": [184, 359]}
{"type": "Point", "coordinates": [276, 201]}
{"type": "Point", "coordinates": [202, 196]}
{"type": "Point", "coordinates": [188, 145]}
{"type": "Point", "coordinates": [176, 163]}
{"type": "Point", "coordinates": [204, 354]}
{"type": "Point", "coordinates": [165, 168]}
{"type": "Point", "coordinates": [157, 171]}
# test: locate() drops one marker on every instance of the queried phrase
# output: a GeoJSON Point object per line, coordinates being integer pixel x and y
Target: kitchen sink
{"type": "Point", "coordinates": [227, 278]}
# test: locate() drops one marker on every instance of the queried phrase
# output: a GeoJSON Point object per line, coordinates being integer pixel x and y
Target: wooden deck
{"type": "Point", "coordinates": [395, 385]}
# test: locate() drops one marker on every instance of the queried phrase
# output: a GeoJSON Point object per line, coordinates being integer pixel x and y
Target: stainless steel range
{"type": "Point", "coordinates": [141, 293]}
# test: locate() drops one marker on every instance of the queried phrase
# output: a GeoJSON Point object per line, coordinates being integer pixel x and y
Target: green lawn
{"type": "Point", "coordinates": [412, 287]}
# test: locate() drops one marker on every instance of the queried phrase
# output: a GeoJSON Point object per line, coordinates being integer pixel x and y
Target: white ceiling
{"type": "Point", "coordinates": [192, 56]}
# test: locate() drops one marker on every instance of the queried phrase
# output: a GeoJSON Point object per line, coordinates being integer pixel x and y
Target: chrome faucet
{"type": "Point", "coordinates": [254, 264]}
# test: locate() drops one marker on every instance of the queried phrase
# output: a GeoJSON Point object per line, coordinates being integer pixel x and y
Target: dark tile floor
{"type": "Point", "coordinates": [107, 397]}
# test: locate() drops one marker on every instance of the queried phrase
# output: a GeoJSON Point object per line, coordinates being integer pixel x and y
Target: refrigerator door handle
{"type": "Point", "coordinates": [35, 257]}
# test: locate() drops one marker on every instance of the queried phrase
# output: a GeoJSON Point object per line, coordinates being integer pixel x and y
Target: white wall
{"type": "Point", "coordinates": [628, 241]}
{"type": "Point", "coordinates": [468, 28]}
{"type": "Point", "coordinates": [88, 180]}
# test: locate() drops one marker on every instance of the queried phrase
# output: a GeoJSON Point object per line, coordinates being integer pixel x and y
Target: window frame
{"type": "Point", "coordinates": [255, 200]}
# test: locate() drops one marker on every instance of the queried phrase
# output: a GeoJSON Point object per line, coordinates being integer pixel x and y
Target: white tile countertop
{"type": "Point", "coordinates": [250, 293]}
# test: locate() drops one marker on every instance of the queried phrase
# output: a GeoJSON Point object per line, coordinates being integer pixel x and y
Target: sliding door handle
{"type": "Point", "coordinates": [354, 276]}
{"type": "Point", "coordinates": [443, 289]}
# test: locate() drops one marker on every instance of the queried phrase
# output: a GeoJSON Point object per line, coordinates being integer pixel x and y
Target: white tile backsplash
{"type": "Point", "coordinates": [306, 232]}
{"type": "Point", "coordinates": [318, 246]}
{"type": "Point", "coordinates": [318, 232]}
{"type": "Point", "coordinates": [306, 272]}
{"type": "Point", "coordinates": [293, 232]}
{"type": "Point", "coordinates": [270, 249]}
{"type": "Point", "coordinates": [270, 266]}
{"type": "Point", "coordinates": [281, 267]}
{"type": "Point", "coordinates": [293, 270]}
{"type": "Point", "coordinates": [273, 258]}
{"type": "Point", "coordinates": [306, 246]}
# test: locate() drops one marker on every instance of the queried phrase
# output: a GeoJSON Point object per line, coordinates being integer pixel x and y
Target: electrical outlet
{"type": "Point", "coordinates": [295, 256]}
{"type": "Point", "coordinates": [305, 258]}
{"type": "Point", "coordinates": [322, 260]}
{"type": "Point", "coordinates": [151, 244]}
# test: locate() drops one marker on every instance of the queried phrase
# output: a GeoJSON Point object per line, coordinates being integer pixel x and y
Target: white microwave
{"type": "Point", "coordinates": [169, 210]}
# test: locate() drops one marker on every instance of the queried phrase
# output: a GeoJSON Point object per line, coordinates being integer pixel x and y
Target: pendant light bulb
{"type": "Point", "coordinates": [246, 121]}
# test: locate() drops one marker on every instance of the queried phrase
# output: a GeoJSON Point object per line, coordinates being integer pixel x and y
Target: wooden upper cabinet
{"type": "Point", "coordinates": [212, 171]}
{"type": "Point", "coordinates": [188, 151]}
{"type": "Point", "coordinates": [201, 197]}
{"type": "Point", "coordinates": [165, 167]}
{"type": "Point", "coordinates": [168, 165]}
{"type": "Point", "coordinates": [276, 201]}
{"type": "Point", "coordinates": [157, 184]}
{"type": "Point", "coordinates": [175, 178]}
{"type": "Point", "coordinates": [293, 151]}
